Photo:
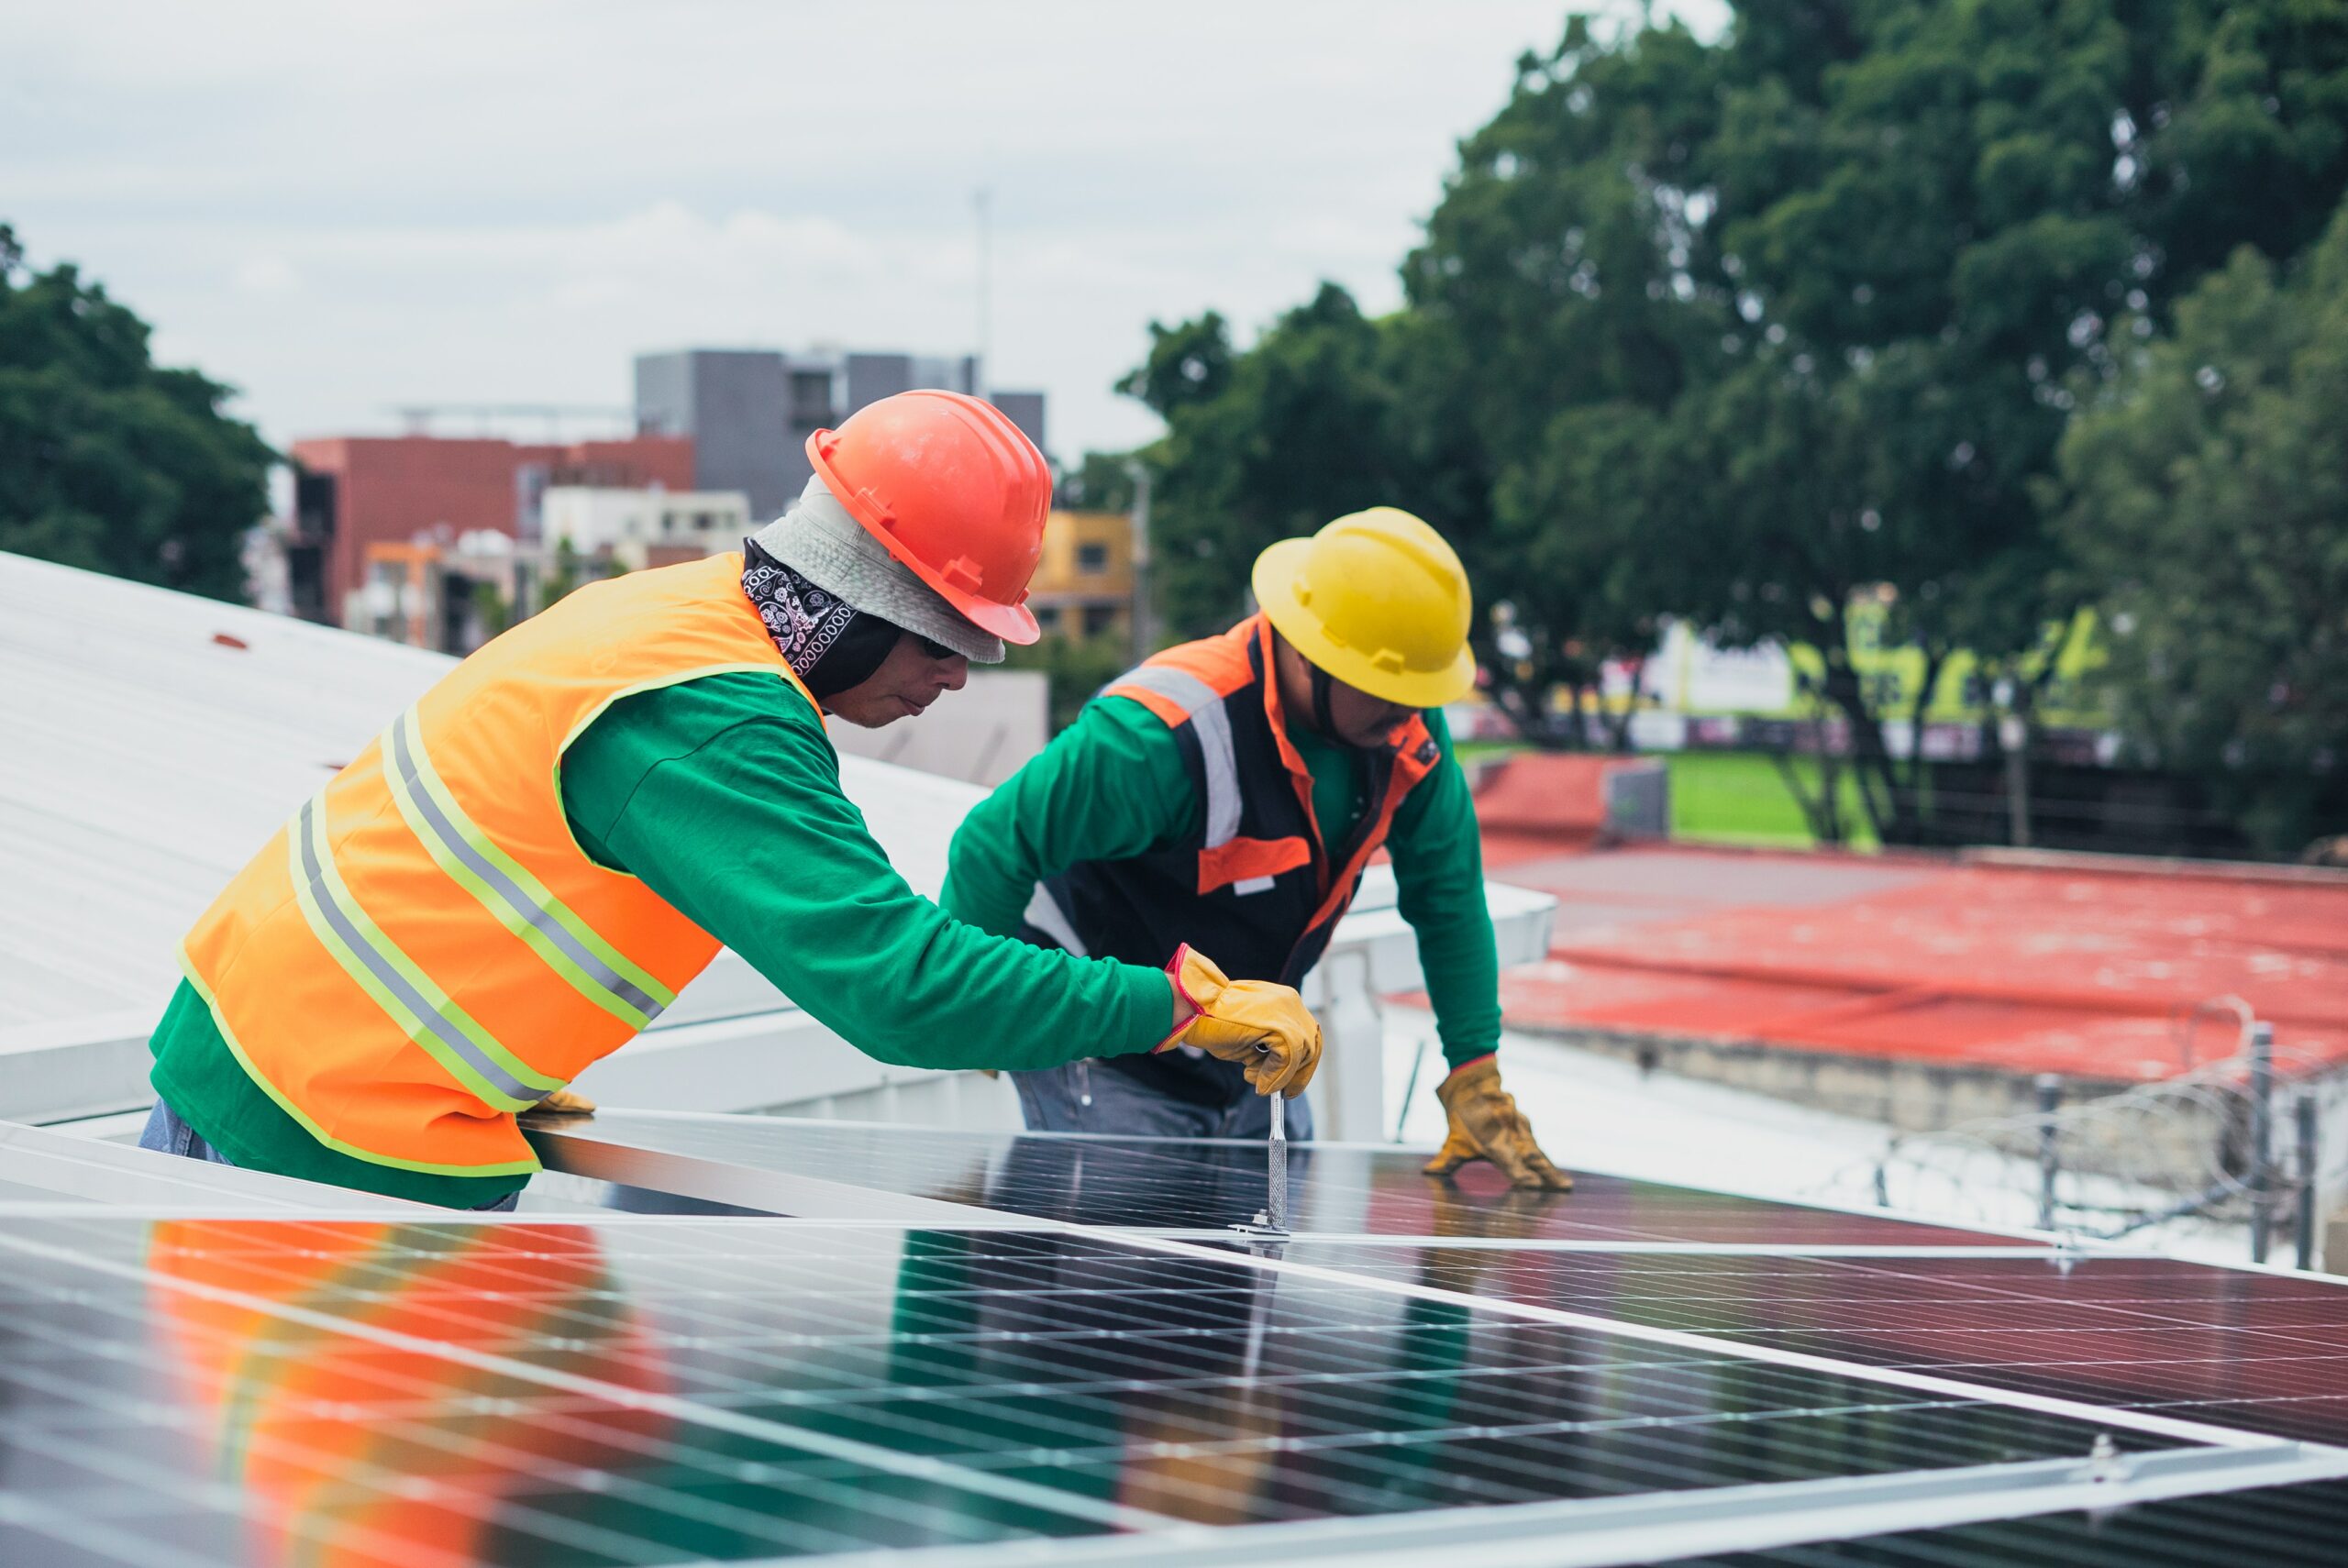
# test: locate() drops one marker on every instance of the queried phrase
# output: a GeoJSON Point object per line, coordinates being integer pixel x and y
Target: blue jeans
{"type": "Point", "coordinates": [167, 1135]}
{"type": "Point", "coordinates": [1086, 1096]}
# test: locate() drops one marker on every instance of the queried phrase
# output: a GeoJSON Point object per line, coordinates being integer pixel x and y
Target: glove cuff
{"type": "Point", "coordinates": [1174, 967]}
{"type": "Point", "coordinates": [1474, 1070]}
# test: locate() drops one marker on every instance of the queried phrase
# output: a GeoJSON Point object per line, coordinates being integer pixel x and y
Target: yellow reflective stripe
{"type": "Point", "coordinates": [502, 886]}
{"type": "Point", "coordinates": [260, 1080]}
{"type": "Point", "coordinates": [412, 999]}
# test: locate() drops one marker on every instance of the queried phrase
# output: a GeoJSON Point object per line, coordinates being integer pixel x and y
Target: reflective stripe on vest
{"type": "Point", "coordinates": [1208, 721]}
{"type": "Point", "coordinates": [425, 1012]}
{"type": "Point", "coordinates": [522, 903]}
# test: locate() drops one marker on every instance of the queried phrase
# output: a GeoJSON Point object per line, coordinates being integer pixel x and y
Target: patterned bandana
{"type": "Point", "coordinates": [829, 642]}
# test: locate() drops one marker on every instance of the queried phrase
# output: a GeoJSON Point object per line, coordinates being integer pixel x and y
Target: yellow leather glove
{"type": "Point", "coordinates": [1264, 1027]}
{"type": "Point", "coordinates": [565, 1102]}
{"type": "Point", "coordinates": [1486, 1125]}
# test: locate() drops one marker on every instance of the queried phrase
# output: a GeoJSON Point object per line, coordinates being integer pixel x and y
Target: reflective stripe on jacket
{"type": "Point", "coordinates": [423, 950]}
{"type": "Point", "coordinates": [1254, 886]}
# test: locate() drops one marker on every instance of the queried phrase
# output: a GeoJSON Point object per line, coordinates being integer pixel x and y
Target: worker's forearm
{"type": "Point", "coordinates": [1439, 877]}
{"type": "Point", "coordinates": [749, 836]}
{"type": "Point", "coordinates": [1109, 787]}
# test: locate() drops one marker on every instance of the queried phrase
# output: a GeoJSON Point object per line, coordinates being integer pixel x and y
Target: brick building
{"type": "Point", "coordinates": [351, 492]}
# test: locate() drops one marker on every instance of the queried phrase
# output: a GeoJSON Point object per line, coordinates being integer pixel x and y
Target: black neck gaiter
{"type": "Point", "coordinates": [828, 643]}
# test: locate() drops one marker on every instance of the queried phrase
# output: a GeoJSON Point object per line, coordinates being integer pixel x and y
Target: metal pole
{"type": "Point", "coordinates": [2262, 1135]}
{"type": "Point", "coordinates": [2303, 1241]}
{"type": "Point", "coordinates": [2049, 1100]}
{"type": "Point", "coordinates": [1410, 1089]}
{"type": "Point", "coordinates": [982, 203]}
{"type": "Point", "coordinates": [1144, 629]}
{"type": "Point", "coordinates": [2013, 739]}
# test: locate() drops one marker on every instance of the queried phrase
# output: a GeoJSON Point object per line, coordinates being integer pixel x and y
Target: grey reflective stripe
{"type": "Point", "coordinates": [1252, 885]}
{"type": "Point", "coordinates": [1044, 912]}
{"type": "Point", "coordinates": [391, 980]}
{"type": "Point", "coordinates": [1212, 723]}
{"type": "Point", "coordinates": [522, 904]}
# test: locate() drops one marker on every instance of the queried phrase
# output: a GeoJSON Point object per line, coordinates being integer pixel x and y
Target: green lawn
{"type": "Point", "coordinates": [1738, 798]}
{"type": "Point", "coordinates": [1731, 797]}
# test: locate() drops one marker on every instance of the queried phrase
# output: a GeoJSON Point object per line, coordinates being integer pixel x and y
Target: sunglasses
{"type": "Point", "coordinates": [933, 648]}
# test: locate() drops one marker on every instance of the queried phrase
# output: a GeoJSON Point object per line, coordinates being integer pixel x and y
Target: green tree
{"type": "Point", "coordinates": [1264, 445]}
{"type": "Point", "coordinates": [1075, 667]}
{"type": "Point", "coordinates": [108, 461]}
{"type": "Point", "coordinates": [2207, 501]}
{"type": "Point", "coordinates": [1746, 330]}
{"type": "Point", "coordinates": [1101, 482]}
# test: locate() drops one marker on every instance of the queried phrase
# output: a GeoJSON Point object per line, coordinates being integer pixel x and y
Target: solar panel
{"type": "Point", "coordinates": [2265, 1352]}
{"type": "Point", "coordinates": [2275, 1527]}
{"type": "Point", "coordinates": [637, 1390]}
{"type": "Point", "coordinates": [797, 1167]}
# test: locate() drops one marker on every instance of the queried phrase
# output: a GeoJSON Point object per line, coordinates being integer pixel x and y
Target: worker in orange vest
{"type": "Point", "coordinates": [532, 860]}
{"type": "Point", "coordinates": [1230, 793]}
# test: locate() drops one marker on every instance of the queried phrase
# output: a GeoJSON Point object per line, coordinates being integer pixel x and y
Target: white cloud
{"type": "Point", "coordinates": [267, 274]}
{"type": "Point", "coordinates": [342, 209]}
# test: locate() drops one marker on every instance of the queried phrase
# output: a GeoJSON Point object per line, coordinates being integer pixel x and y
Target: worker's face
{"type": "Point", "coordinates": [1360, 720]}
{"type": "Point", "coordinates": [915, 674]}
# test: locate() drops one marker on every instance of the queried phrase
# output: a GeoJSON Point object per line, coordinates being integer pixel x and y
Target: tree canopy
{"type": "Point", "coordinates": [1739, 330]}
{"type": "Point", "coordinates": [2207, 500]}
{"type": "Point", "coordinates": [108, 461]}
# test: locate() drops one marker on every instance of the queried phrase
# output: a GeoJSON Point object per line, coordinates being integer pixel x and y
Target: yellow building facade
{"type": "Point", "coordinates": [1083, 585]}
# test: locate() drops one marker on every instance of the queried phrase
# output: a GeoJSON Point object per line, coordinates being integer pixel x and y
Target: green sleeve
{"type": "Point", "coordinates": [727, 803]}
{"type": "Point", "coordinates": [1109, 787]}
{"type": "Point", "coordinates": [1439, 881]}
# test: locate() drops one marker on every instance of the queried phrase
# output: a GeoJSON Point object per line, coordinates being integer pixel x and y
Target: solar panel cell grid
{"type": "Point", "coordinates": [1177, 1183]}
{"type": "Point", "coordinates": [2267, 1352]}
{"type": "Point", "coordinates": [219, 1391]}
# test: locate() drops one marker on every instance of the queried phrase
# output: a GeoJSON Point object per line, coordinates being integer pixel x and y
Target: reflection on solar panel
{"type": "Point", "coordinates": [1048, 1362]}
{"type": "Point", "coordinates": [1206, 1185]}
{"type": "Point", "coordinates": [2264, 1352]}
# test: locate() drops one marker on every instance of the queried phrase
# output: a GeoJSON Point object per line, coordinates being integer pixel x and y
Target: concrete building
{"type": "Point", "coordinates": [749, 411]}
{"type": "Point", "coordinates": [638, 528]}
{"type": "Point", "coordinates": [354, 491]}
{"type": "Point", "coordinates": [1083, 585]}
{"type": "Point", "coordinates": [447, 595]}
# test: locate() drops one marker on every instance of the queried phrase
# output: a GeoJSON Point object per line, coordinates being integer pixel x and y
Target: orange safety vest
{"type": "Point", "coordinates": [424, 950]}
{"type": "Point", "coordinates": [1256, 884]}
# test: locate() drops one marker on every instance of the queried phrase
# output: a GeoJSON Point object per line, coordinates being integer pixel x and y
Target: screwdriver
{"type": "Point", "coordinates": [1276, 1183]}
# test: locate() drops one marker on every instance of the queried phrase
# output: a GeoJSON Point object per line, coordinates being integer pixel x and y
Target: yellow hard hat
{"type": "Point", "coordinates": [1379, 602]}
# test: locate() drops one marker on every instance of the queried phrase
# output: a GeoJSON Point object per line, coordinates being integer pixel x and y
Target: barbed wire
{"type": "Point", "coordinates": [2181, 1149]}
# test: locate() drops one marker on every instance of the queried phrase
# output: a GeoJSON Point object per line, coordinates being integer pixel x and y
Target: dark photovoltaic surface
{"type": "Point", "coordinates": [1183, 1183]}
{"type": "Point", "coordinates": [2274, 1526]}
{"type": "Point", "coordinates": [203, 1392]}
{"type": "Point", "coordinates": [2267, 1352]}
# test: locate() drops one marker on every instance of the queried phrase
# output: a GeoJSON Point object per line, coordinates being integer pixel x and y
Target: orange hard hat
{"type": "Point", "coordinates": [953, 489]}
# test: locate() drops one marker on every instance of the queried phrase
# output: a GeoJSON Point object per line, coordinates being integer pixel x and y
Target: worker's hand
{"type": "Point", "coordinates": [566, 1102]}
{"type": "Point", "coordinates": [1265, 1028]}
{"type": "Point", "coordinates": [1486, 1125]}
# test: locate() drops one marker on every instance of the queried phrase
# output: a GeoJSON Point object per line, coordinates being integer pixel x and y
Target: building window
{"type": "Point", "coordinates": [1048, 616]}
{"type": "Point", "coordinates": [1099, 618]}
{"type": "Point", "coordinates": [1092, 560]}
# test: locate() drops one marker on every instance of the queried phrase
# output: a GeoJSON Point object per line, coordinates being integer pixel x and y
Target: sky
{"type": "Point", "coordinates": [343, 210]}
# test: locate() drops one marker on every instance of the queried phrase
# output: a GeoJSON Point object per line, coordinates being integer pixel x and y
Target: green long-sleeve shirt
{"type": "Point", "coordinates": [1111, 786]}
{"type": "Point", "coordinates": [729, 806]}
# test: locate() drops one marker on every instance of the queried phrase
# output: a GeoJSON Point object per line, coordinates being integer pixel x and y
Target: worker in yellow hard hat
{"type": "Point", "coordinates": [1228, 794]}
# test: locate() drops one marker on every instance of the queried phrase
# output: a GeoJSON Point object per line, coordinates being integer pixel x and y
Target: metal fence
{"type": "Point", "coordinates": [2235, 1142]}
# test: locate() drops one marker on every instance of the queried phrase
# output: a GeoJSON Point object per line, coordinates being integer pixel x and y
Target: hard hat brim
{"type": "Point", "coordinates": [1277, 571]}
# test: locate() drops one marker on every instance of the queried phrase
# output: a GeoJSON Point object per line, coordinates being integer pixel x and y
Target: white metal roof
{"type": "Point", "coordinates": [151, 741]}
